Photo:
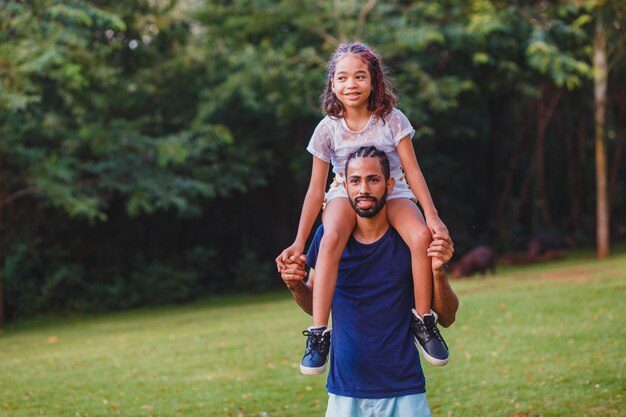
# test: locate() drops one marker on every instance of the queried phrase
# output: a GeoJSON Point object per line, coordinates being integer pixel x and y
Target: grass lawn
{"type": "Point", "coordinates": [544, 340]}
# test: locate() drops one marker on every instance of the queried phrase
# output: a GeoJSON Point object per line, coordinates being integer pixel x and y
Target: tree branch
{"type": "Point", "coordinates": [365, 10]}
{"type": "Point", "coordinates": [18, 194]}
{"type": "Point", "coordinates": [326, 36]}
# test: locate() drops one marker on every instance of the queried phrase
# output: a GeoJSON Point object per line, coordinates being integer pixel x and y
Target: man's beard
{"type": "Point", "coordinates": [372, 211]}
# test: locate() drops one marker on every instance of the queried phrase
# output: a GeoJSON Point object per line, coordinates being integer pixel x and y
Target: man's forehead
{"type": "Point", "coordinates": [364, 166]}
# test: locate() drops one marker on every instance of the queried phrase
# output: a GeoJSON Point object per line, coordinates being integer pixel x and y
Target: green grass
{"type": "Point", "coordinates": [544, 340]}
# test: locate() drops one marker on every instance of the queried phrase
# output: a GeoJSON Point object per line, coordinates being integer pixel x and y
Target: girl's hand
{"type": "Point", "coordinates": [293, 273]}
{"type": "Point", "coordinates": [436, 226]}
{"type": "Point", "coordinates": [294, 252]}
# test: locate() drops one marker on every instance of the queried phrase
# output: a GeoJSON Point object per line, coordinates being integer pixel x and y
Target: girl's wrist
{"type": "Point", "coordinates": [432, 213]}
{"type": "Point", "coordinates": [298, 243]}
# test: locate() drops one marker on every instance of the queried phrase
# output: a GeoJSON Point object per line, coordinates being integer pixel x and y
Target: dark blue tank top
{"type": "Point", "coordinates": [372, 352]}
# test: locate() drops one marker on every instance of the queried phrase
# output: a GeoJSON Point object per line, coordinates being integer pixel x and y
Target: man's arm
{"type": "Point", "coordinates": [445, 302]}
{"type": "Point", "coordinates": [293, 275]}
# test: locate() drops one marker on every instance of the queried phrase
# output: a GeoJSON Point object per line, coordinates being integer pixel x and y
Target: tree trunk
{"type": "Point", "coordinates": [538, 195]}
{"type": "Point", "coordinates": [573, 171]}
{"type": "Point", "coordinates": [600, 71]}
{"type": "Point", "coordinates": [512, 165]}
{"type": "Point", "coordinates": [544, 116]}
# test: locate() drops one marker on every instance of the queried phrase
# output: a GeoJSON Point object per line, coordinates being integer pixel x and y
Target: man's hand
{"type": "Point", "coordinates": [444, 302]}
{"type": "Point", "coordinates": [440, 251]}
{"type": "Point", "coordinates": [293, 276]}
{"type": "Point", "coordinates": [293, 272]}
{"type": "Point", "coordinates": [291, 251]}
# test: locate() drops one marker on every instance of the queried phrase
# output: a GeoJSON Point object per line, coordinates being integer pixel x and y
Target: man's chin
{"type": "Point", "coordinates": [367, 214]}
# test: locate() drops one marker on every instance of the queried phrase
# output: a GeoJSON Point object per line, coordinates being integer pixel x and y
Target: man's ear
{"type": "Point", "coordinates": [345, 185]}
{"type": "Point", "coordinates": [390, 183]}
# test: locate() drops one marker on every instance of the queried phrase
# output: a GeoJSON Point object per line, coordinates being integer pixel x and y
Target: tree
{"type": "Point", "coordinates": [153, 151]}
{"type": "Point", "coordinates": [42, 47]}
{"type": "Point", "coordinates": [82, 128]}
{"type": "Point", "coordinates": [609, 38]}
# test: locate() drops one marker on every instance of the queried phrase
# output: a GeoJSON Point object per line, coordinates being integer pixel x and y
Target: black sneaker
{"type": "Point", "coordinates": [428, 339]}
{"type": "Point", "coordinates": [317, 347]}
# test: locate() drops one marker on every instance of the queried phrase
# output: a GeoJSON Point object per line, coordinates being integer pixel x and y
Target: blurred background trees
{"type": "Point", "coordinates": [153, 151]}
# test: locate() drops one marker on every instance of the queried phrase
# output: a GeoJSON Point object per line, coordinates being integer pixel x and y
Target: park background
{"type": "Point", "coordinates": [152, 153]}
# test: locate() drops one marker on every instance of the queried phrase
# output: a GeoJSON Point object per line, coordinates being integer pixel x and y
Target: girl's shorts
{"type": "Point", "coordinates": [414, 405]}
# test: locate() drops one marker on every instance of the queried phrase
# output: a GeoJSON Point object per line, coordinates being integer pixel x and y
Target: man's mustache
{"type": "Point", "coordinates": [365, 197]}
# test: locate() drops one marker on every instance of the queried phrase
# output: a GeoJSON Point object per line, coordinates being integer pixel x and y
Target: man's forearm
{"type": "Point", "coordinates": [303, 294]}
{"type": "Point", "coordinates": [445, 302]}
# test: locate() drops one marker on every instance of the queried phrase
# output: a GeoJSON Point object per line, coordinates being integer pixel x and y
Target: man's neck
{"type": "Point", "coordinates": [370, 230]}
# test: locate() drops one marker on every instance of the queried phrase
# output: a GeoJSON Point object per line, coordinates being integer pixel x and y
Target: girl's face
{"type": "Point", "coordinates": [352, 82]}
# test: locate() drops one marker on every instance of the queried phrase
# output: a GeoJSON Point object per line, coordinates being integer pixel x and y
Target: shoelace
{"type": "Point", "coordinates": [315, 341]}
{"type": "Point", "coordinates": [428, 330]}
{"type": "Point", "coordinates": [433, 329]}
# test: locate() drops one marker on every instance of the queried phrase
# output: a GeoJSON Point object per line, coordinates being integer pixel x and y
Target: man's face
{"type": "Point", "coordinates": [366, 186]}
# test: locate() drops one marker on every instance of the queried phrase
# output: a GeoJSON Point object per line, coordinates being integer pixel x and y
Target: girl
{"type": "Point", "coordinates": [359, 105]}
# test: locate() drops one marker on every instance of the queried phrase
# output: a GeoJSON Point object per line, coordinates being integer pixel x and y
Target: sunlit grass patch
{"type": "Point", "coordinates": [534, 341]}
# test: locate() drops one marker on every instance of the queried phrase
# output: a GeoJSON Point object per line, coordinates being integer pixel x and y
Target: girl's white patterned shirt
{"type": "Point", "coordinates": [333, 142]}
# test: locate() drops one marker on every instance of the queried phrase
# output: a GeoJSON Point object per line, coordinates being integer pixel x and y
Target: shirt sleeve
{"type": "Point", "coordinates": [320, 144]}
{"type": "Point", "coordinates": [400, 126]}
{"type": "Point", "coordinates": [311, 255]}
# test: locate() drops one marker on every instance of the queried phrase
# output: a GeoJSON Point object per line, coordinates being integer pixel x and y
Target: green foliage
{"type": "Point", "coordinates": [42, 279]}
{"type": "Point", "coordinates": [562, 67]}
{"type": "Point", "coordinates": [158, 148]}
{"type": "Point", "coordinates": [252, 273]}
{"type": "Point", "coordinates": [84, 111]}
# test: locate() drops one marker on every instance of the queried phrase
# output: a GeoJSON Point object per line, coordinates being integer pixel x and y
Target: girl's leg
{"type": "Point", "coordinates": [407, 219]}
{"type": "Point", "coordinates": [339, 220]}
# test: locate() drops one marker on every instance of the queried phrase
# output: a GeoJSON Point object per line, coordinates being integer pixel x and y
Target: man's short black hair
{"type": "Point", "coordinates": [370, 152]}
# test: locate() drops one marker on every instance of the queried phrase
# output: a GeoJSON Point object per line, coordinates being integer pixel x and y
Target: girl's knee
{"type": "Point", "coordinates": [420, 239]}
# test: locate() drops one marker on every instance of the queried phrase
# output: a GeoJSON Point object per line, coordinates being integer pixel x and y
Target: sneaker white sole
{"type": "Point", "coordinates": [312, 371]}
{"type": "Point", "coordinates": [430, 359]}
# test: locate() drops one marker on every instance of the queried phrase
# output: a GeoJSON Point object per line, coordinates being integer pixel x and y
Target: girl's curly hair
{"type": "Point", "coordinates": [382, 98]}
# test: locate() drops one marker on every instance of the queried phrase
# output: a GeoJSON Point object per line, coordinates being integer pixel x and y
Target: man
{"type": "Point", "coordinates": [375, 368]}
